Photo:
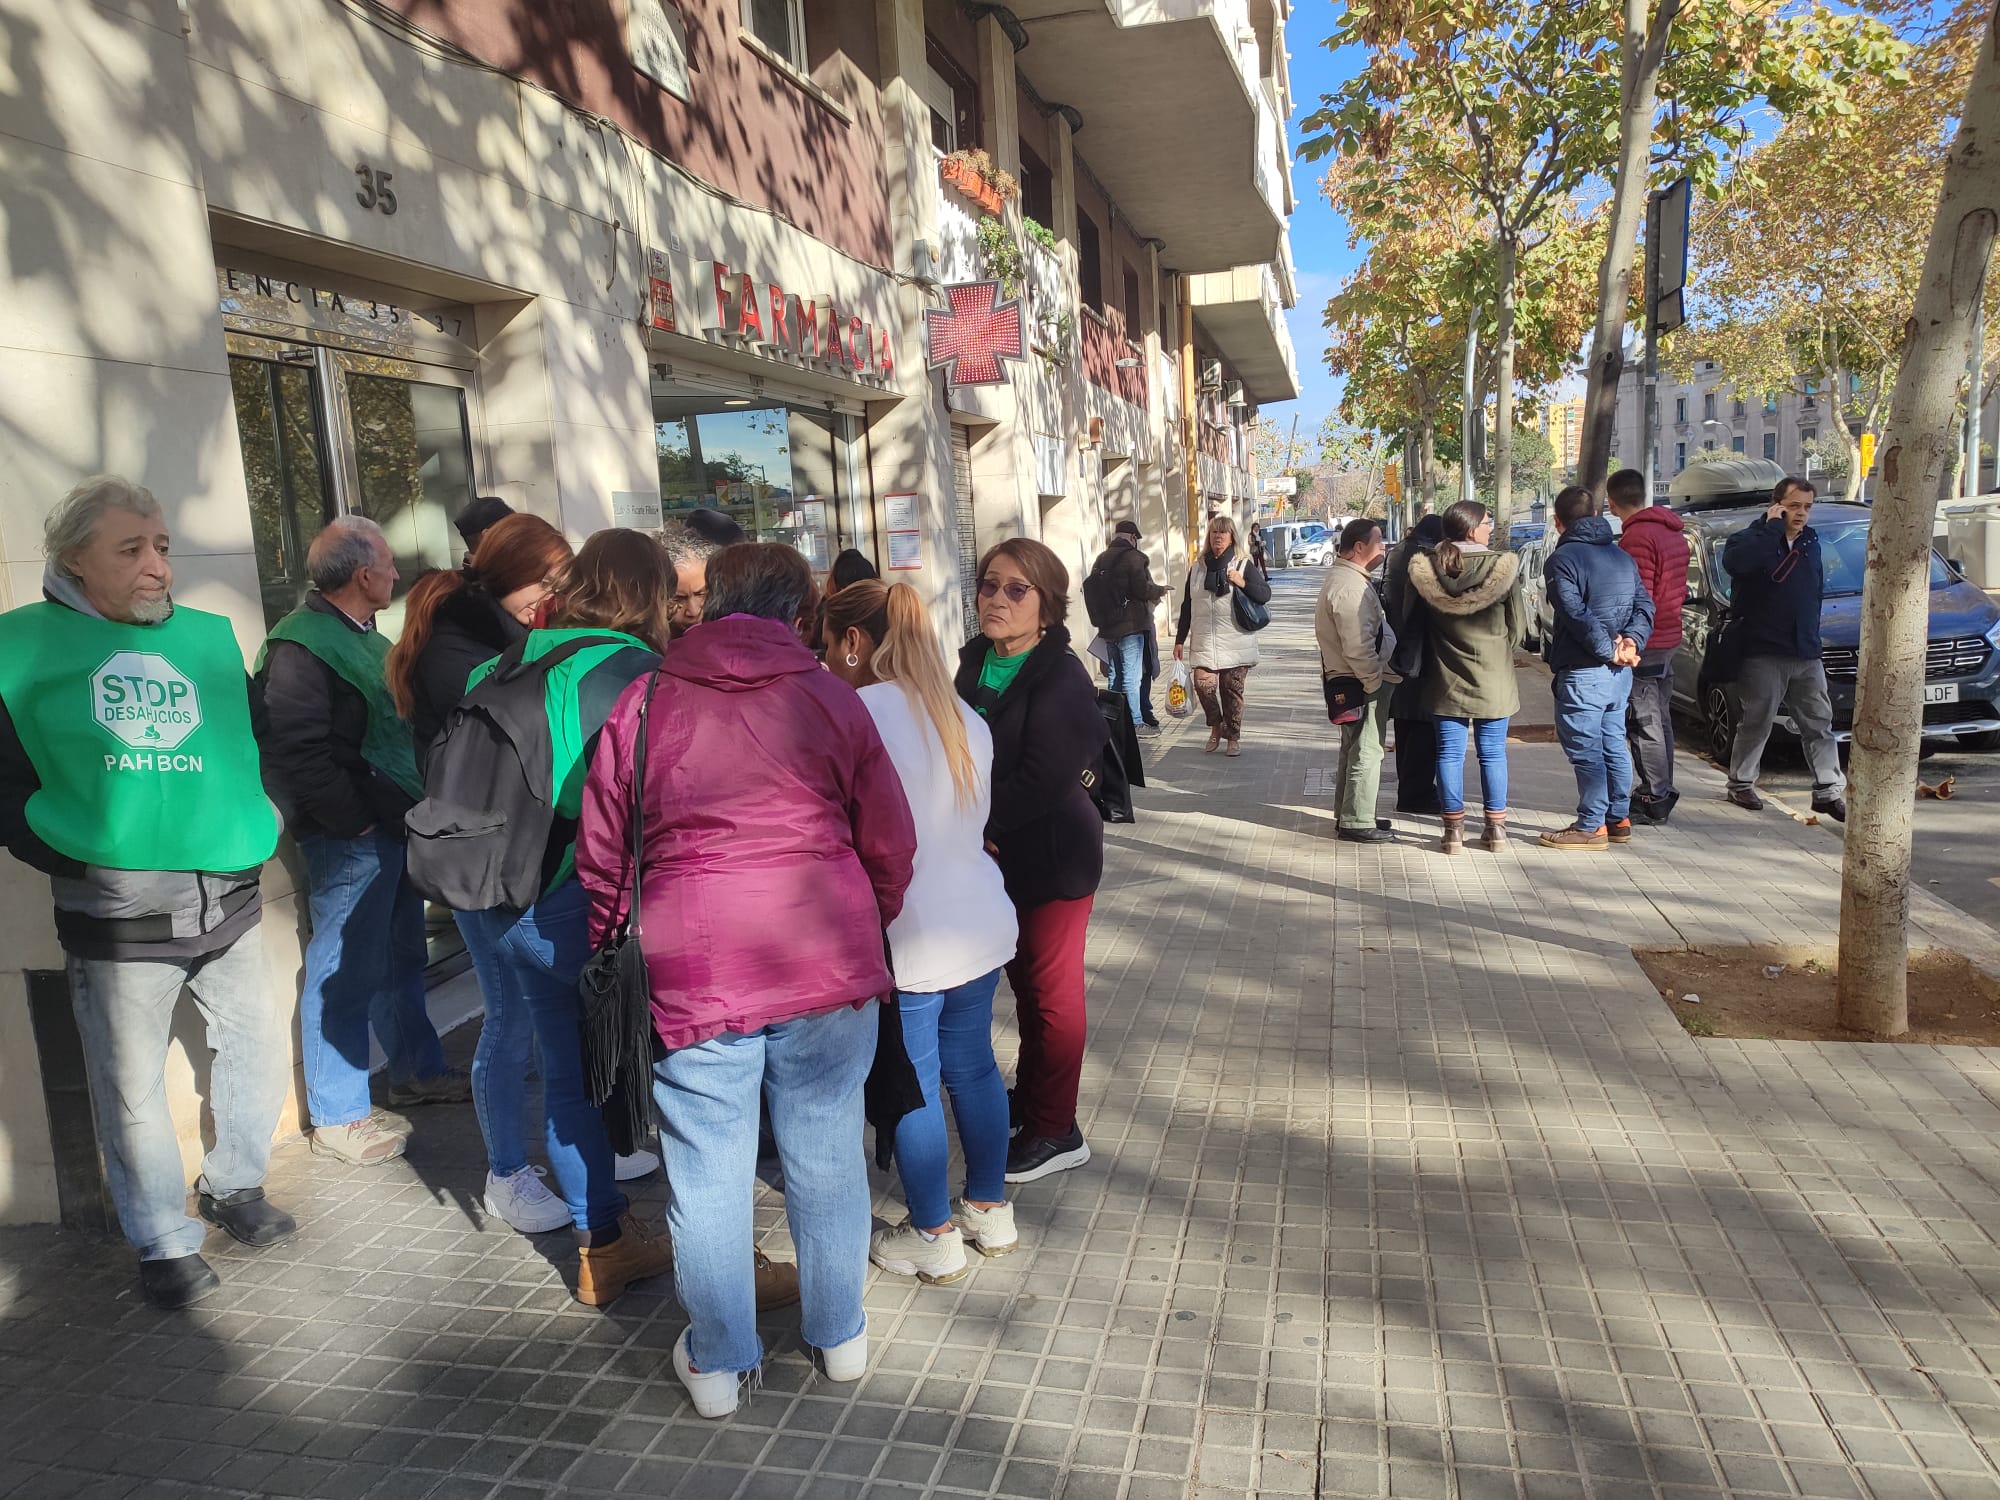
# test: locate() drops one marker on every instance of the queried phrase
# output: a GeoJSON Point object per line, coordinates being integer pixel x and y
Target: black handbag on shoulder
{"type": "Point", "coordinates": [619, 1043]}
{"type": "Point", "coordinates": [1250, 615]}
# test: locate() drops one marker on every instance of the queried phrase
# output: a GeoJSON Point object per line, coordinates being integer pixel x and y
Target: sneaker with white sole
{"type": "Point", "coordinates": [523, 1202]}
{"type": "Point", "coordinates": [848, 1361]}
{"type": "Point", "coordinates": [715, 1394]}
{"type": "Point", "coordinates": [359, 1143]}
{"type": "Point", "coordinates": [990, 1231]}
{"type": "Point", "coordinates": [907, 1251]}
{"type": "Point", "coordinates": [638, 1164]}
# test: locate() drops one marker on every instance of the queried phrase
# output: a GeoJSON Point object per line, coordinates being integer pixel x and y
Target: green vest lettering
{"type": "Point", "coordinates": [360, 659]}
{"type": "Point", "coordinates": [140, 736]}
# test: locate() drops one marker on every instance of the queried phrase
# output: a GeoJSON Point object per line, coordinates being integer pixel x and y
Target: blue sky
{"type": "Point", "coordinates": [1319, 235]}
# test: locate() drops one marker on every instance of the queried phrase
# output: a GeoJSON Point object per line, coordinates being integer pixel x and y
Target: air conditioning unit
{"type": "Point", "coordinates": [1211, 374]}
{"type": "Point", "coordinates": [1233, 394]}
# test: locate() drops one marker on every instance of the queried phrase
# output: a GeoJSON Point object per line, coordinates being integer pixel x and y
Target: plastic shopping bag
{"type": "Point", "coordinates": [1180, 690]}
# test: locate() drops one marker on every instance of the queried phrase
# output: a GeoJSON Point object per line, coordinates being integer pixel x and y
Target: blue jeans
{"type": "Point", "coordinates": [949, 1035]}
{"type": "Point", "coordinates": [365, 963]}
{"type": "Point", "coordinates": [1590, 723]}
{"type": "Point", "coordinates": [811, 1070]}
{"type": "Point", "coordinates": [124, 1015]}
{"type": "Point", "coordinates": [528, 963]}
{"type": "Point", "coordinates": [1489, 738]}
{"type": "Point", "coordinates": [1128, 671]}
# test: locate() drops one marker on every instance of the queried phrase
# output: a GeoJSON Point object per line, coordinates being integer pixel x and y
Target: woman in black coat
{"type": "Point", "coordinates": [1416, 731]}
{"type": "Point", "coordinates": [1045, 832]}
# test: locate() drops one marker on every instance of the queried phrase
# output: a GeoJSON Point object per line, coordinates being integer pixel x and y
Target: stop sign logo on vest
{"type": "Point", "coordinates": [144, 700]}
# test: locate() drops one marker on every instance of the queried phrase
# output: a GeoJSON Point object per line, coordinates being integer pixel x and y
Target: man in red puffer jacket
{"type": "Point", "coordinates": [1656, 540]}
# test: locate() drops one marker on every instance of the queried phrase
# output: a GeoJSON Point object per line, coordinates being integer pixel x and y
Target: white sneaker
{"type": "Point", "coordinates": [523, 1202]}
{"type": "Point", "coordinates": [714, 1395]}
{"type": "Point", "coordinates": [903, 1251]}
{"type": "Point", "coordinates": [848, 1361]}
{"type": "Point", "coordinates": [991, 1230]}
{"type": "Point", "coordinates": [638, 1164]}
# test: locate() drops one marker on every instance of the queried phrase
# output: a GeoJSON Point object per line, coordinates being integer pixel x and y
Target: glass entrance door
{"type": "Point", "coordinates": [329, 432]}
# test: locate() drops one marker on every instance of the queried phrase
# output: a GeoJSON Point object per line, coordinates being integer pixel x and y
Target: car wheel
{"type": "Point", "coordinates": [1986, 739]}
{"type": "Point", "coordinates": [1720, 714]}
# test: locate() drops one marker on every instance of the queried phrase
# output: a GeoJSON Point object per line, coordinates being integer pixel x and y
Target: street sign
{"type": "Point", "coordinates": [1667, 222]}
{"type": "Point", "coordinates": [1282, 484]}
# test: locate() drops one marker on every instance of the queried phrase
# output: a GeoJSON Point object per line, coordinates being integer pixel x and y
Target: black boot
{"type": "Point", "coordinates": [177, 1283]}
{"type": "Point", "coordinates": [247, 1216]}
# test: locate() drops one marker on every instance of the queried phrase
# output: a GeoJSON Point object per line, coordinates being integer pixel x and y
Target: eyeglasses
{"type": "Point", "coordinates": [1014, 589]}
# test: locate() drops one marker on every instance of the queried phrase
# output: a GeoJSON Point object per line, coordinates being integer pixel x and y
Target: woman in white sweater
{"type": "Point", "coordinates": [956, 930]}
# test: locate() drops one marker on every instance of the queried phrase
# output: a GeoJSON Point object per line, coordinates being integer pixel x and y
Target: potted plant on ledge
{"type": "Point", "coordinates": [974, 174]}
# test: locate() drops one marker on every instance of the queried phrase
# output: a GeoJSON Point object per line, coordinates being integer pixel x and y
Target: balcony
{"type": "Point", "coordinates": [1241, 311]}
{"type": "Point", "coordinates": [1176, 122]}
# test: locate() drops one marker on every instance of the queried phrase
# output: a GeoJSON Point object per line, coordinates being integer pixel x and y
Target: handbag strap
{"type": "Point", "coordinates": [635, 820]}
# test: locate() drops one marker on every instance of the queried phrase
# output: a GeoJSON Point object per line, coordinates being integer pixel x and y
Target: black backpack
{"type": "Point", "coordinates": [1102, 600]}
{"type": "Point", "coordinates": [484, 834]}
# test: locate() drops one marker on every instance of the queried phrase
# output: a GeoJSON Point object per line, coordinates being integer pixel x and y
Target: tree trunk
{"type": "Point", "coordinates": [1836, 410]}
{"type": "Point", "coordinates": [1895, 603]}
{"type": "Point", "coordinates": [1429, 452]}
{"type": "Point", "coordinates": [1641, 52]}
{"type": "Point", "coordinates": [1468, 411]}
{"type": "Point", "coordinates": [1506, 247]}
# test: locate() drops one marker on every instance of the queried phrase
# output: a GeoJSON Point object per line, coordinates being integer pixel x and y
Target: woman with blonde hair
{"type": "Point", "coordinates": [955, 931]}
{"type": "Point", "coordinates": [1221, 651]}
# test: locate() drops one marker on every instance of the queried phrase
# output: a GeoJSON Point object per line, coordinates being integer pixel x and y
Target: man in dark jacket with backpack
{"type": "Point", "coordinates": [341, 766]}
{"type": "Point", "coordinates": [1603, 613]}
{"type": "Point", "coordinates": [1119, 595]}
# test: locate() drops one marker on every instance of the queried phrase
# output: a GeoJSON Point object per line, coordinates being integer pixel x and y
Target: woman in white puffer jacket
{"type": "Point", "coordinates": [1221, 651]}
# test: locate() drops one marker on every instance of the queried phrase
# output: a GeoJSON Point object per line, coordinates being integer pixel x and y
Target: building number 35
{"type": "Point", "coordinates": [375, 191]}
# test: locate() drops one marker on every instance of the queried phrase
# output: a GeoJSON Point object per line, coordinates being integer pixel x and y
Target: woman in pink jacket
{"type": "Point", "coordinates": [777, 847]}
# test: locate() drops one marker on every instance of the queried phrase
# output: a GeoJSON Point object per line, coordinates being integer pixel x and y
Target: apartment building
{"type": "Point", "coordinates": [1708, 413]}
{"type": "Point", "coordinates": [311, 257]}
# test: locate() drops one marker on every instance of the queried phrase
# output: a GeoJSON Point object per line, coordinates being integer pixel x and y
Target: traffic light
{"type": "Point", "coordinates": [1867, 453]}
{"type": "Point", "coordinates": [1392, 481]}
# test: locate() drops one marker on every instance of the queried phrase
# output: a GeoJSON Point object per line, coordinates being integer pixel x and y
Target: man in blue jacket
{"type": "Point", "coordinates": [1774, 606]}
{"type": "Point", "coordinates": [1603, 617]}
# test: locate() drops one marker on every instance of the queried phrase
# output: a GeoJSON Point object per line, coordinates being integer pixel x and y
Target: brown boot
{"type": "Point", "coordinates": [777, 1282]}
{"type": "Point", "coordinates": [604, 1271]}
{"type": "Point", "coordinates": [1495, 837]}
{"type": "Point", "coordinates": [1454, 834]}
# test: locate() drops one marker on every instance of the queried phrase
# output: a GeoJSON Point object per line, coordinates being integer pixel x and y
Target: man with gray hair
{"type": "Point", "coordinates": [341, 765]}
{"type": "Point", "coordinates": [689, 551]}
{"type": "Point", "coordinates": [128, 775]}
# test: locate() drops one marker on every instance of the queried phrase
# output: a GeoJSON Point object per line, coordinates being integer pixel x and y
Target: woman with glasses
{"type": "Point", "coordinates": [1222, 651]}
{"type": "Point", "coordinates": [1047, 835]}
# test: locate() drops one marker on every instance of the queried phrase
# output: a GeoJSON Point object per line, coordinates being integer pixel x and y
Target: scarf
{"type": "Point", "coordinates": [1217, 579]}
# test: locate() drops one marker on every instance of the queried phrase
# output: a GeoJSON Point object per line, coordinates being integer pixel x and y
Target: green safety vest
{"type": "Point", "coordinates": [360, 659]}
{"type": "Point", "coordinates": [140, 736]}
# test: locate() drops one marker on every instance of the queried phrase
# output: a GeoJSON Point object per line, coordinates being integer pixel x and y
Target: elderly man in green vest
{"type": "Point", "coordinates": [128, 774]}
{"type": "Point", "coordinates": [341, 766]}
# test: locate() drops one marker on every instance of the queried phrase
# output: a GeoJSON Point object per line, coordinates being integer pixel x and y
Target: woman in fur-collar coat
{"type": "Point", "coordinates": [1468, 681]}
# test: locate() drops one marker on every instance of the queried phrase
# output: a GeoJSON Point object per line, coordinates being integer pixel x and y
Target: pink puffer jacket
{"type": "Point", "coordinates": [778, 841]}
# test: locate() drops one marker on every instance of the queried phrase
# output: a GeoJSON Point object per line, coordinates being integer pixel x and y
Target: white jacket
{"type": "Point", "coordinates": [1215, 641]}
{"type": "Point", "coordinates": [957, 923]}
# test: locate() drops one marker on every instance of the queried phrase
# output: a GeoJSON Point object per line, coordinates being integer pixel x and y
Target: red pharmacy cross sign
{"type": "Point", "coordinates": [974, 332]}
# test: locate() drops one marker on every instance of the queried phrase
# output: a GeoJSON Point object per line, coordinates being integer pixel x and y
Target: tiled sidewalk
{"type": "Point", "coordinates": [1404, 1184]}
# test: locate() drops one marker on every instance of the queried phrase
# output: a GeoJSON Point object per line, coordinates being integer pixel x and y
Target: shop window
{"type": "Point", "coordinates": [954, 101]}
{"type": "Point", "coordinates": [1038, 188]}
{"type": "Point", "coordinates": [779, 25]}
{"type": "Point", "coordinates": [1090, 261]}
{"type": "Point", "coordinates": [775, 469]}
{"type": "Point", "coordinates": [1135, 328]}
{"type": "Point", "coordinates": [1771, 445]}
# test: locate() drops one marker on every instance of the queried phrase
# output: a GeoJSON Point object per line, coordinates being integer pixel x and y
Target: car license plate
{"type": "Point", "coordinates": [1940, 692]}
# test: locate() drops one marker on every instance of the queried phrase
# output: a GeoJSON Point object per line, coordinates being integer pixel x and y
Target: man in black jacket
{"type": "Point", "coordinates": [1778, 579]}
{"type": "Point", "coordinates": [341, 767]}
{"type": "Point", "coordinates": [1123, 578]}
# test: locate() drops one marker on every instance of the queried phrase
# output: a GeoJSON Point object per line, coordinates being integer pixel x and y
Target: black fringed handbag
{"type": "Point", "coordinates": [619, 1043]}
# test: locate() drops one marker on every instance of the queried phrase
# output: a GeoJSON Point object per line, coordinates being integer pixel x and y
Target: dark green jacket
{"type": "Point", "coordinates": [1474, 625]}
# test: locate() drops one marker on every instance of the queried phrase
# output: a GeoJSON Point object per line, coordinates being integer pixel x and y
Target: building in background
{"type": "Point", "coordinates": [1562, 424]}
{"type": "Point", "coordinates": [304, 258]}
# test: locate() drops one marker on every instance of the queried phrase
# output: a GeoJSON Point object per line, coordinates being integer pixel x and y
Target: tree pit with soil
{"type": "Point", "coordinates": [1779, 992]}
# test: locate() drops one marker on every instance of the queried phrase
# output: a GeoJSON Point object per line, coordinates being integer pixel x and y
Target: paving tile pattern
{"type": "Point", "coordinates": [1404, 1185]}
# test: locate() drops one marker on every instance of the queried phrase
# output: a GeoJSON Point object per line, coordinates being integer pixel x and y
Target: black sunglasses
{"type": "Point", "coordinates": [1014, 589]}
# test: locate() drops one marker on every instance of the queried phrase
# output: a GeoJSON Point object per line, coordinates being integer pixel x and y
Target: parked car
{"type": "Point", "coordinates": [1962, 673]}
{"type": "Point", "coordinates": [1314, 548]}
{"type": "Point", "coordinates": [1536, 610]}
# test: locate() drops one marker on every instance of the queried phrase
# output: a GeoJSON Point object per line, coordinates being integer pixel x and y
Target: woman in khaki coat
{"type": "Point", "coordinates": [1468, 683]}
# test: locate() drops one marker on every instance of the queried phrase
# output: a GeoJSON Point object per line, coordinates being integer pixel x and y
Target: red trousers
{"type": "Point", "coordinates": [1047, 978]}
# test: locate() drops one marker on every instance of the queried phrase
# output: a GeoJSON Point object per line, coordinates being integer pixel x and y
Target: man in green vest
{"type": "Point", "coordinates": [128, 774]}
{"type": "Point", "coordinates": [341, 766]}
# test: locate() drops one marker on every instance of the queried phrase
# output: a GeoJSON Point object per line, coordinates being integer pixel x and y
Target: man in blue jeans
{"type": "Point", "coordinates": [1603, 617]}
{"type": "Point", "coordinates": [1120, 594]}
{"type": "Point", "coordinates": [341, 766]}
